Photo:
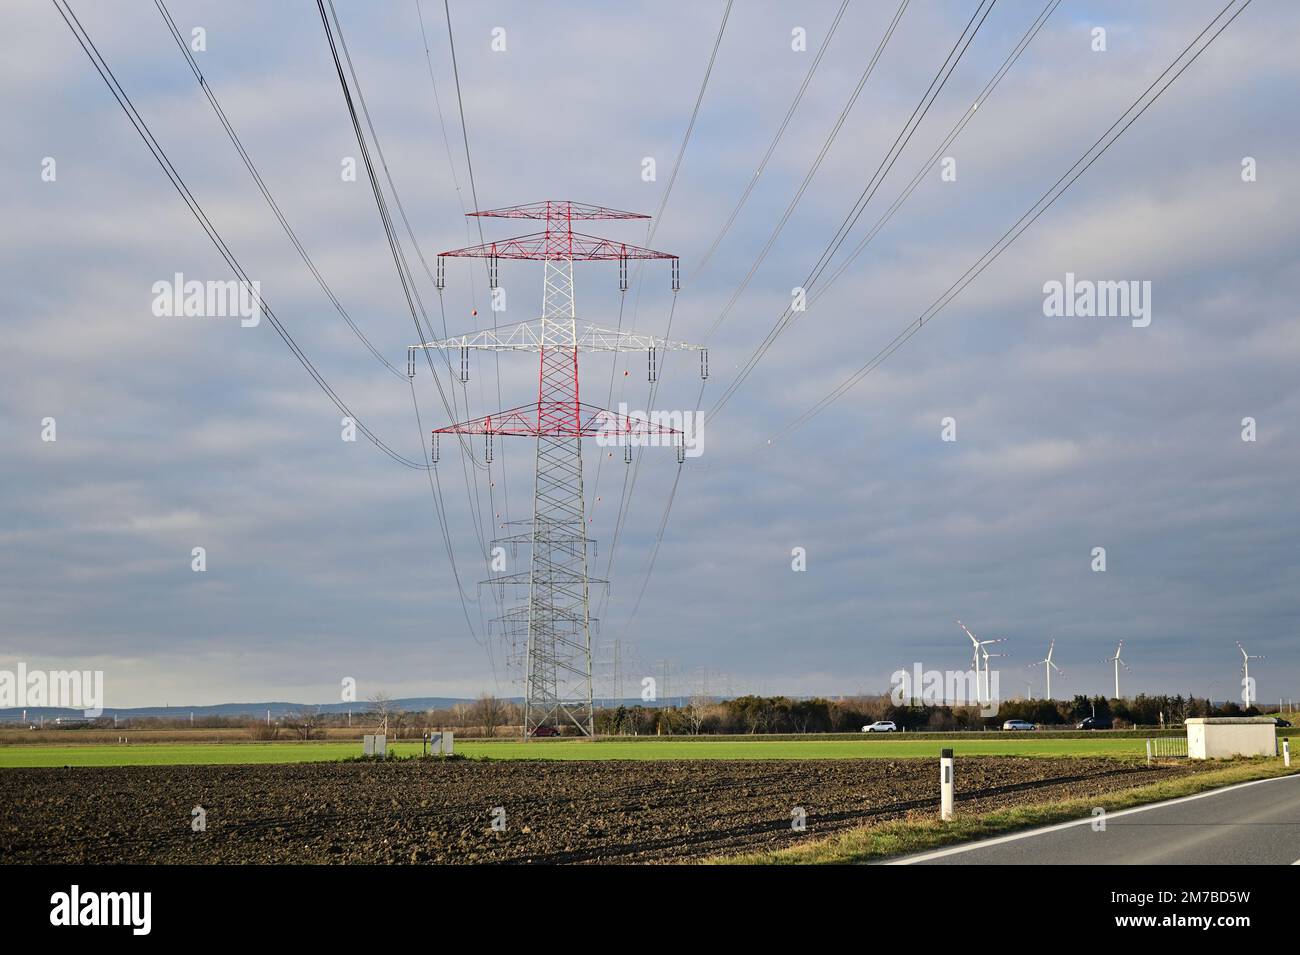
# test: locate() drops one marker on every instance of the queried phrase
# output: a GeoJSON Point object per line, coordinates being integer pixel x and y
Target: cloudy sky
{"type": "Point", "coordinates": [325, 559]}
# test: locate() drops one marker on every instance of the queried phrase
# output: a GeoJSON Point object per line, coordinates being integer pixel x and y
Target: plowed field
{"type": "Point", "coordinates": [551, 812]}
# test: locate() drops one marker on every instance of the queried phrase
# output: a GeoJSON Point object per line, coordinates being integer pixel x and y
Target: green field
{"type": "Point", "coordinates": [161, 754]}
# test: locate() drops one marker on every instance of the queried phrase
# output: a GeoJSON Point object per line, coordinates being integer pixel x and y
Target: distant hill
{"type": "Point", "coordinates": [415, 704]}
{"type": "Point", "coordinates": [251, 710]}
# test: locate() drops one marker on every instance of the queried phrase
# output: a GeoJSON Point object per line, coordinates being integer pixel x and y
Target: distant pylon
{"type": "Point", "coordinates": [557, 679]}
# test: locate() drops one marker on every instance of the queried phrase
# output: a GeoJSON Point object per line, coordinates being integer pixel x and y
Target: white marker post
{"type": "Point", "coordinates": [945, 784]}
{"type": "Point", "coordinates": [1286, 752]}
{"type": "Point", "coordinates": [1148, 752]}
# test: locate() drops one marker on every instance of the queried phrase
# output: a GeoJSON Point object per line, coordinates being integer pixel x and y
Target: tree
{"type": "Point", "coordinates": [810, 715]}
{"type": "Point", "coordinates": [696, 710]}
{"type": "Point", "coordinates": [381, 704]}
{"type": "Point", "coordinates": [460, 716]}
{"type": "Point", "coordinates": [306, 723]}
{"type": "Point", "coordinates": [489, 713]}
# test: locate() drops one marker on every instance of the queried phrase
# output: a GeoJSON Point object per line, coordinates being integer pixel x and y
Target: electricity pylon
{"type": "Point", "coordinates": [557, 678]}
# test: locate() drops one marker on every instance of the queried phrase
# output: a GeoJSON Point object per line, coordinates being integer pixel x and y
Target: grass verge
{"type": "Point", "coordinates": [907, 836]}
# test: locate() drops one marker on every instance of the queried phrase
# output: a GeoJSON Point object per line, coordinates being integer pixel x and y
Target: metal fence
{"type": "Point", "coordinates": [1166, 747]}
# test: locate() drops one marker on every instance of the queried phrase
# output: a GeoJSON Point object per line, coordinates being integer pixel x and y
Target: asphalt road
{"type": "Point", "coordinates": [1254, 823]}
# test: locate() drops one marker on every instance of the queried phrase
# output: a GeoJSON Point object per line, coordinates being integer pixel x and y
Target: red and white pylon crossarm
{"type": "Point", "coordinates": [557, 665]}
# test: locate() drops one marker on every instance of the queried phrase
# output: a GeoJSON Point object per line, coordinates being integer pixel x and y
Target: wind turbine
{"type": "Point", "coordinates": [1117, 661]}
{"type": "Point", "coordinates": [1245, 668]}
{"type": "Point", "coordinates": [1048, 666]}
{"type": "Point", "coordinates": [977, 646]}
{"type": "Point", "coordinates": [988, 685]}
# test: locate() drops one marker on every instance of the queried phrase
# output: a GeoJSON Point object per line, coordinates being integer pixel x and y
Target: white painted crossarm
{"type": "Point", "coordinates": [527, 336]}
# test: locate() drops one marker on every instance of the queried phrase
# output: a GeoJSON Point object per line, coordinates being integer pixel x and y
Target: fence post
{"type": "Point", "coordinates": [1148, 752]}
{"type": "Point", "coordinates": [945, 784]}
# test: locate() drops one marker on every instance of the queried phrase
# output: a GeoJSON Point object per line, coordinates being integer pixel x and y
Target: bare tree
{"type": "Point", "coordinates": [696, 710]}
{"type": "Point", "coordinates": [263, 731]}
{"type": "Point", "coordinates": [381, 704]}
{"type": "Point", "coordinates": [460, 715]}
{"type": "Point", "coordinates": [489, 713]}
{"type": "Point", "coordinates": [306, 724]}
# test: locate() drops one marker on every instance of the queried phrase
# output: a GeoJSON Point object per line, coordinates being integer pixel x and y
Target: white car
{"type": "Point", "coordinates": [880, 726]}
{"type": "Point", "coordinates": [1018, 725]}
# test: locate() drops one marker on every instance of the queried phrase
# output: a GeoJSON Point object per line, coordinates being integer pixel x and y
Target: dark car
{"type": "Point", "coordinates": [1094, 723]}
{"type": "Point", "coordinates": [1278, 721]}
{"type": "Point", "coordinates": [544, 731]}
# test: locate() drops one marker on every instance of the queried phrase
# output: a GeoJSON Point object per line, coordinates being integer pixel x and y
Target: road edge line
{"type": "Point", "coordinates": [1056, 827]}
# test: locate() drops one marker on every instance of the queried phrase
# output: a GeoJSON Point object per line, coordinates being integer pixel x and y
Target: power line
{"type": "Point", "coordinates": [812, 170]}
{"type": "Point", "coordinates": [435, 489]}
{"type": "Point", "coordinates": [460, 198]}
{"type": "Point", "coordinates": [473, 495]}
{"type": "Point", "coordinates": [659, 534]}
{"type": "Point", "coordinates": [966, 117]}
{"type": "Point", "coordinates": [437, 100]}
{"type": "Point", "coordinates": [1058, 189]}
{"type": "Point", "coordinates": [248, 162]}
{"type": "Point", "coordinates": [873, 184]}
{"type": "Point", "coordinates": [178, 183]}
{"type": "Point", "coordinates": [302, 251]}
{"type": "Point", "coordinates": [968, 277]}
{"type": "Point", "coordinates": [460, 103]}
{"type": "Point", "coordinates": [1033, 30]}
{"type": "Point", "coordinates": [652, 226]}
{"type": "Point", "coordinates": [629, 487]}
{"type": "Point", "coordinates": [690, 126]}
{"type": "Point", "coordinates": [630, 483]}
{"type": "Point", "coordinates": [1012, 57]}
{"type": "Point", "coordinates": [399, 260]}
{"type": "Point", "coordinates": [405, 274]}
{"type": "Point", "coordinates": [261, 185]}
{"type": "Point", "coordinates": [767, 156]}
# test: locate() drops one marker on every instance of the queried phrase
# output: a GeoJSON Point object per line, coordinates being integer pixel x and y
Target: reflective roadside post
{"type": "Point", "coordinates": [1286, 752]}
{"type": "Point", "coordinates": [945, 784]}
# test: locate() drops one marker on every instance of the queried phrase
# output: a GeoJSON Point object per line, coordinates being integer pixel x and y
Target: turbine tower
{"type": "Point", "coordinates": [977, 647]}
{"type": "Point", "coordinates": [1048, 666]}
{"type": "Point", "coordinates": [557, 665]}
{"type": "Point", "coordinates": [988, 681]}
{"type": "Point", "coordinates": [1245, 669]}
{"type": "Point", "coordinates": [1118, 663]}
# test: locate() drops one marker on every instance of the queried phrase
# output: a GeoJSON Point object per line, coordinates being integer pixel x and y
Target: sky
{"type": "Point", "coordinates": [325, 559]}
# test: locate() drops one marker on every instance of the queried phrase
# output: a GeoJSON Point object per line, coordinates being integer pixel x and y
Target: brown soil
{"type": "Point", "coordinates": [555, 812]}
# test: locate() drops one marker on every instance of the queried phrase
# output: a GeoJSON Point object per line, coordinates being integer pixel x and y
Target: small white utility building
{"type": "Point", "coordinates": [1222, 737]}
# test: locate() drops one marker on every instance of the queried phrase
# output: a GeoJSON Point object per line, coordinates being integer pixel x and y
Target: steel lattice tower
{"type": "Point", "coordinates": [557, 677]}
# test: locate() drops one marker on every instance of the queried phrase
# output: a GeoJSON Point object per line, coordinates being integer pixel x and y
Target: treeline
{"type": "Point", "coordinates": [780, 714]}
{"type": "Point", "coordinates": [490, 717]}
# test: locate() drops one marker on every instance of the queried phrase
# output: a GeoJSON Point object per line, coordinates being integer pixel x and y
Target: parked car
{"type": "Point", "coordinates": [1278, 721]}
{"type": "Point", "coordinates": [1094, 723]}
{"type": "Point", "coordinates": [881, 726]}
{"type": "Point", "coordinates": [1018, 725]}
{"type": "Point", "coordinates": [544, 731]}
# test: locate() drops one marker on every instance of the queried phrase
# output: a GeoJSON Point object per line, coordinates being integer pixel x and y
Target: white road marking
{"type": "Point", "coordinates": [1013, 837]}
